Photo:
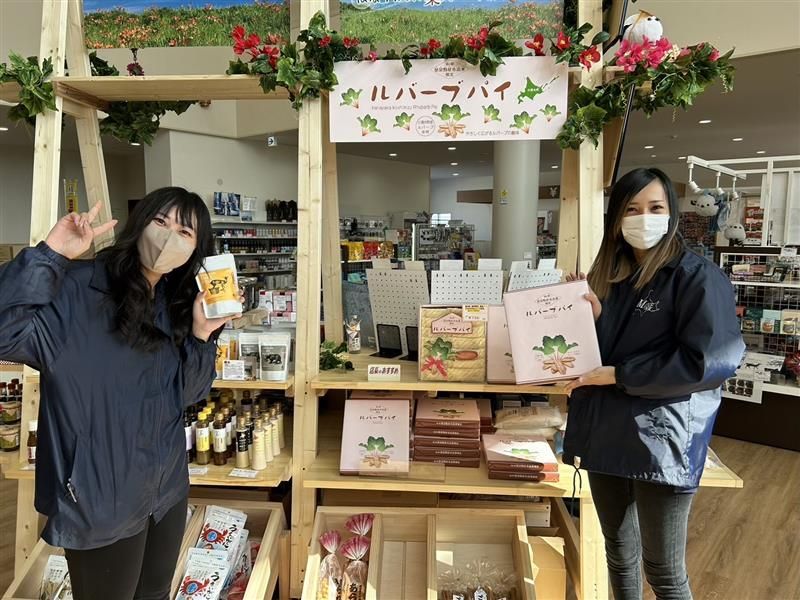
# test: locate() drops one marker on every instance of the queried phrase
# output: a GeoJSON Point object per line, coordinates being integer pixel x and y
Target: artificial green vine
{"type": "Point", "coordinates": [36, 92]}
{"type": "Point", "coordinates": [132, 122]}
{"type": "Point", "coordinates": [330, 357]}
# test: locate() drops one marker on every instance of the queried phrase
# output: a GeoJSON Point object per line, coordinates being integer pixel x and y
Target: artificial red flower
{"type": "Point", "coordinates": [434, 45]}
{"type": "Point", "coordinates": [238, 32]}
{"type": "Point", "coordinates": [272, 53]}
{"type": "Point", "coordinates": [475, 43]}
{"type": "Point", "coordinates": [325, 42]}
{"type": "Point", "coordinates": [483, 34]}
{"type": "Point", "coordinates": [373, 56]}
{"type": "Point", "coordinates": [589, 56]}
{"type": "Point", "coordinates": [536, 44]}
{"type": "Point", "coordinates": [424, 50]}
{"type": "Point", "coordinates": [351, 42]}
{"type": "Point", "coordinates": [684, 52]}
{"type": "Point", "coordinates": [563, 42]}
{"type": "Point", "coordinates": [714, 56]}
{"type": "Point", "coordinates": [253, 41]}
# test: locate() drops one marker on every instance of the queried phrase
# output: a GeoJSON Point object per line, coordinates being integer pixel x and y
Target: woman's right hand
{"type": "Point", "coordinates": [73, 235]}
{"type": "Point", "coordinates": [597, 307]}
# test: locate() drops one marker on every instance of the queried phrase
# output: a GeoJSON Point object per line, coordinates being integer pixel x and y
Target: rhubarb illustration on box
{"type": "Point", "coordinates": [375, 437]}
{"type": "Point", "coordinates": [552, 332]}
{"type": "Point", "coordinates": [452, 349]}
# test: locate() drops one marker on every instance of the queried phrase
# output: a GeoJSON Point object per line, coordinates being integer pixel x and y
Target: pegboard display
{"type": "Point", "coordinates": [523, 280]}
{"type": "Point", "coordinates": [395, 297]}
{"type": "Point", "coordinates": [466, 287]}
{"type": "Point", "coordinates": [765, 285]}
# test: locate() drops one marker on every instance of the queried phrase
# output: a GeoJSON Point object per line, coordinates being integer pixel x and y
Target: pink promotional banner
{"type": "Point", "coordinates": [447, 100]}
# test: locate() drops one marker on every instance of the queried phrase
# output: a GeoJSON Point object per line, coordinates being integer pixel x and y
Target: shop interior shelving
{"type": "Point", "coordinates": [313, 445]}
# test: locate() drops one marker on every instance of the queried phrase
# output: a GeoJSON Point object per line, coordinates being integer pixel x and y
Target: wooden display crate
{"type": "Point", "coordinates": [264, 519]}
{"type": "Point", "coordinates": [410, 547]}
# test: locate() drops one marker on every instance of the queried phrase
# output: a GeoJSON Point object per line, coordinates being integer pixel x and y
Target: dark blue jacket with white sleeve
{"type": "Point", "coordinates": [672, 345]}
{"type": "Point", "coordinates": [111, 449]}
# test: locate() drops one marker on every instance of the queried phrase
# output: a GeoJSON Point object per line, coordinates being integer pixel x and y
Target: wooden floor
{"type": "Point", "coordinates": [743, 544]}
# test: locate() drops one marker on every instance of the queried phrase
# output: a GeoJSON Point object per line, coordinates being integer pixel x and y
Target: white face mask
{"type": "Point", "coordinates": [161, 249]}
{"type": "Point", "coordinates": [644, 231]}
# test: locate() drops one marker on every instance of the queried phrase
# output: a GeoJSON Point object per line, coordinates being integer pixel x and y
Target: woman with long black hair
{"type": "Point", "coordinates": [668, 333]}
{"type": "Point", "coordinates": [122, 345]}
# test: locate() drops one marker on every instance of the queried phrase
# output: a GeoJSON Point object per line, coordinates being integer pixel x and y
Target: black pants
{"type": "Point", "coordinates": [643, 523]}
{"type": "Point", "coordinates": [139, 567]}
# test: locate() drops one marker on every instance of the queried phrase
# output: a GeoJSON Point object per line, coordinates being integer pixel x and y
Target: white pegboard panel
{"type": "Point", "coordinates": [466, 287]}
{"type": "Point", "coordinates": [523, 280]}
{"type": "Point", "coordinates": [395, 297]}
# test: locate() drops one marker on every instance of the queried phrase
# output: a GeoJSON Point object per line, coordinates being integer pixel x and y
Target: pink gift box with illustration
{"type": "Point", "coordinates": [552, 332]}
{"type": "Point", "coordinates": [499, 363]}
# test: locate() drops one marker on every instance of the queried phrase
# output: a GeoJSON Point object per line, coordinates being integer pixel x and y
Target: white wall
{"type": "Point", "coordinates": [125, 182]}
{"type": "Point", "coordinates": [206, 164]}
{"type": "Point", "coordinates": [443, 200]}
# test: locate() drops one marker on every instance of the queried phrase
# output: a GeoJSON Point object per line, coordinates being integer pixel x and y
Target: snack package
{"type": "Point", "coordinates": [528, 417]}
{"type": "Point", "coordinates": [206, 572]}
{"type": "Point", "coordinates": [55, 579]}
{"type": "Point", "coordinates": [330, 568]}
{"type": "Point", "coordinates": [217, 277]}
{"type": "Point", "coordinates": [221, 529]}
{"type": "Point", "coordinates": [354, 581]}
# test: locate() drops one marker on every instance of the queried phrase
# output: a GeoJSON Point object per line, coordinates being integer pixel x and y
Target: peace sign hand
{"type": "Point", "coordinates": [73, 235]}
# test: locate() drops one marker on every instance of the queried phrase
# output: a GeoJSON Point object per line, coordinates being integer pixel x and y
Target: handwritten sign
{"type": "Point", "coordinates": [448, 100]}
{"type": "Point", "coordinates": [383, 373]}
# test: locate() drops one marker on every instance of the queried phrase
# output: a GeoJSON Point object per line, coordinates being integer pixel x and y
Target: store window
{"type": "Point", "coordinates": [441, 218]}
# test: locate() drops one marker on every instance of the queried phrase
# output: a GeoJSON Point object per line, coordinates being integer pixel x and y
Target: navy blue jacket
{"type": "Point", "coordinates": [672, 344]}
{"type": "Point", "coordinates": [111, 448]}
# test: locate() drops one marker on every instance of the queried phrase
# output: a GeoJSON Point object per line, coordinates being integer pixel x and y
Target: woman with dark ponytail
{"type": "Point", "coordinates": [122, 345]}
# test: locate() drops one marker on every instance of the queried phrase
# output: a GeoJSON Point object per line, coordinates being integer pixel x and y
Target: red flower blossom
{"type": "Point", "coordinates": [483, 34]}
{"type": "Point", "coordinates": [434, 45]}
{"type": "Point", "coordinates": [273, 53]}
{"type": "Point", "coordinates": [351, 42]}
{"type": "Point", "coordinates": [424, 50]}
{"type": "Point", "coordinates": [373, 56]}
{"type": "Point", "coordinates": [252, 41]}
{"type": "Point", "coordinates": [563, 42]}
{"type": "Point", "coordinates": [714, 56]}
{"type": "Point", "coordinates": [238, 32]}
{"type": "Point", "coordinates": [536, 44]}
{"type": "Point", "coordinates": [685, 52]}
{"type": "Point", "coordinates": [589, 56]}
{"type": "Point", "coordinates": [325, 42]}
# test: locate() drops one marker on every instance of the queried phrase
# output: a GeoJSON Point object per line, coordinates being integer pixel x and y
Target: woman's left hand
{"type": "Point", "coordinates": [600, 376]}
{"type": "Point", "coordinates": [202, 326]}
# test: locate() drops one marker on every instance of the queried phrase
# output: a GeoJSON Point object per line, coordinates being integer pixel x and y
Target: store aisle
{"type": "Point", "coordinates": [742, 543]}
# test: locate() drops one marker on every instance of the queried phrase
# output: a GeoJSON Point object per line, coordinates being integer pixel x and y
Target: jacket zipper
{"type": "Point", "coordinates": [71, 490]}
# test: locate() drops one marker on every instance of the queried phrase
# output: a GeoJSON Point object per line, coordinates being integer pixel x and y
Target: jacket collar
{"type": "Point", "coordinates": [99, 279]}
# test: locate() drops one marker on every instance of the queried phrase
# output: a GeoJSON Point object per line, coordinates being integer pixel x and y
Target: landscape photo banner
{"type": "Point", "coordinates": [447, 100]}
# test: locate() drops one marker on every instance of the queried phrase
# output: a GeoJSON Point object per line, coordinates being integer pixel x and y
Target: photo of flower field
{"type": "Point", "coordinates": [159, 23]}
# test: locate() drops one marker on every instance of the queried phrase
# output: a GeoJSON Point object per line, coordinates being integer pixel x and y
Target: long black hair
{"type": "Point", "coordinates": [616, 261]}
{"type": "Point", "coordinates": [130, 289]}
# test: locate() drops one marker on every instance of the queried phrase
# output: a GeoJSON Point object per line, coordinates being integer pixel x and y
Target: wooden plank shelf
{"type": "Point", "coordinates": [287, 386]}
{"type": "Point", "coordinates": [435, 478]}
{"type": "Point", "coordinates": [97, 90]}
{"type": "Point", "coordinates": [357, 380]}
{"type": "Point", "coordinates": [9, 91]}
{"type": "Point", "coordinates": [10, 368]}
{"type": "Point", "coordinates": [278, 471]}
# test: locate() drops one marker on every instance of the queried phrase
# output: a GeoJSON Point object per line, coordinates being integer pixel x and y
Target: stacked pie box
{"type": "Point", "coordinates": [448, 431]}
{"type": "Point", "coordinates": [392, 395]}
{"type": "Point", "coordinates": [520, 458]}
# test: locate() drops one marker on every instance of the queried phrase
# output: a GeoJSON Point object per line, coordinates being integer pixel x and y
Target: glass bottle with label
{"type": "Point", "coordinates": [33, 426]}
{"type": "Point", "coordinates": [220, 442]}
{"type": "Point", "coordinates": [187, 431]}
{"type": "Point", "coordinates": [269, 434]}
{"type": "Point", "coordinates": [281, 430]}
{"type": "Point", "coordinates": [276, 443]}
{"type": "Point", "coordinates": [229, 434]}
{"type": "Point", "coordinates": [258, 463]}
{"type": "Point", "coordinates": [202, 441]}
{"type": "Point", "coordinates": [242, 456]}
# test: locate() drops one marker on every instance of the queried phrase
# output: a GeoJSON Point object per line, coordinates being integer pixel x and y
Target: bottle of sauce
{"type": "Point", "coordinates": [203, 441]}
{"type": "Point", "coordinates": [229, 434]}
{"type": "Point", "coordinates": [33, 426]}
{"type": "Point", "coordinates": [276, 443]}
{"type": "Point", "coordinates": [220, 442]}
{"type": "Point", "coordinates": [258, 463]}
{"type": "Point", "coordinates": [248, 419]}
{"type": "Point", "coordinates": [187, 431]}
{"type": "Point", "coordinates": [281, 431]}
{"type": "Point", "coordinates": [242, 456]}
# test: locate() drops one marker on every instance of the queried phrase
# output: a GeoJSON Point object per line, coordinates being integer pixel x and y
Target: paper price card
{"type": "Point", "coordinates": [475, 312]}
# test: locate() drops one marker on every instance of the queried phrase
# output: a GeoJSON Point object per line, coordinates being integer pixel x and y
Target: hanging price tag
{"type": "Point", "coordinates": [475, 312]}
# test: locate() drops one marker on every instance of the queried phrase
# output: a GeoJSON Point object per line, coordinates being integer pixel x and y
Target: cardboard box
{"type": "Point", "coordinates": [451, 349]}
{"type": "Point", "coordinates": [550, 571]}
{"type": "Point", "coordinates": [375, 437]}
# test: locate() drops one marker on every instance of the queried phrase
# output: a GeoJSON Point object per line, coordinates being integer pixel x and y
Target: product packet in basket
{"type": "Point", "coordinates": [204, 578]}
{"type": "Point", "coordinates": [354, 586]}
{"type": "Point", "coordinates": [329, 583]}
{"type": "Point", "coordinates": [221, 529]}
{"type": "Point", "coordinates": [552, 332]}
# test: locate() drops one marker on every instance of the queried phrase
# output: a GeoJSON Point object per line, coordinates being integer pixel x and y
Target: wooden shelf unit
{"type": "Point", "coordinates": [283, 386]}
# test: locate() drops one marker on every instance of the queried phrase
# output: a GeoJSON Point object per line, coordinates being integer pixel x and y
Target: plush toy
{"type": "Point", "coordinates": [642, 25]}
{"type": "Point", "coordinates": [735, 232]}
{"type": "Point", "coordinates": [705, 205]}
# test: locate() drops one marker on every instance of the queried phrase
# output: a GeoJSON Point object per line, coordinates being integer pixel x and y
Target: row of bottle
{"type": "Point", "coordinates": [253, 438]}
{"type": "Point", "coordinates": [244, 246]}
{"type": "Point", "coordinates": [10, 415]}
{"type": "Point", "coordinates": [280, 210]}
{"type": "Point", "coordinates": [280, 232]}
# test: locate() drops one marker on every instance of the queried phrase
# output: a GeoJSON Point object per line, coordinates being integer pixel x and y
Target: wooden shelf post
{"type": "Point", "coordinates": [331, 263]}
